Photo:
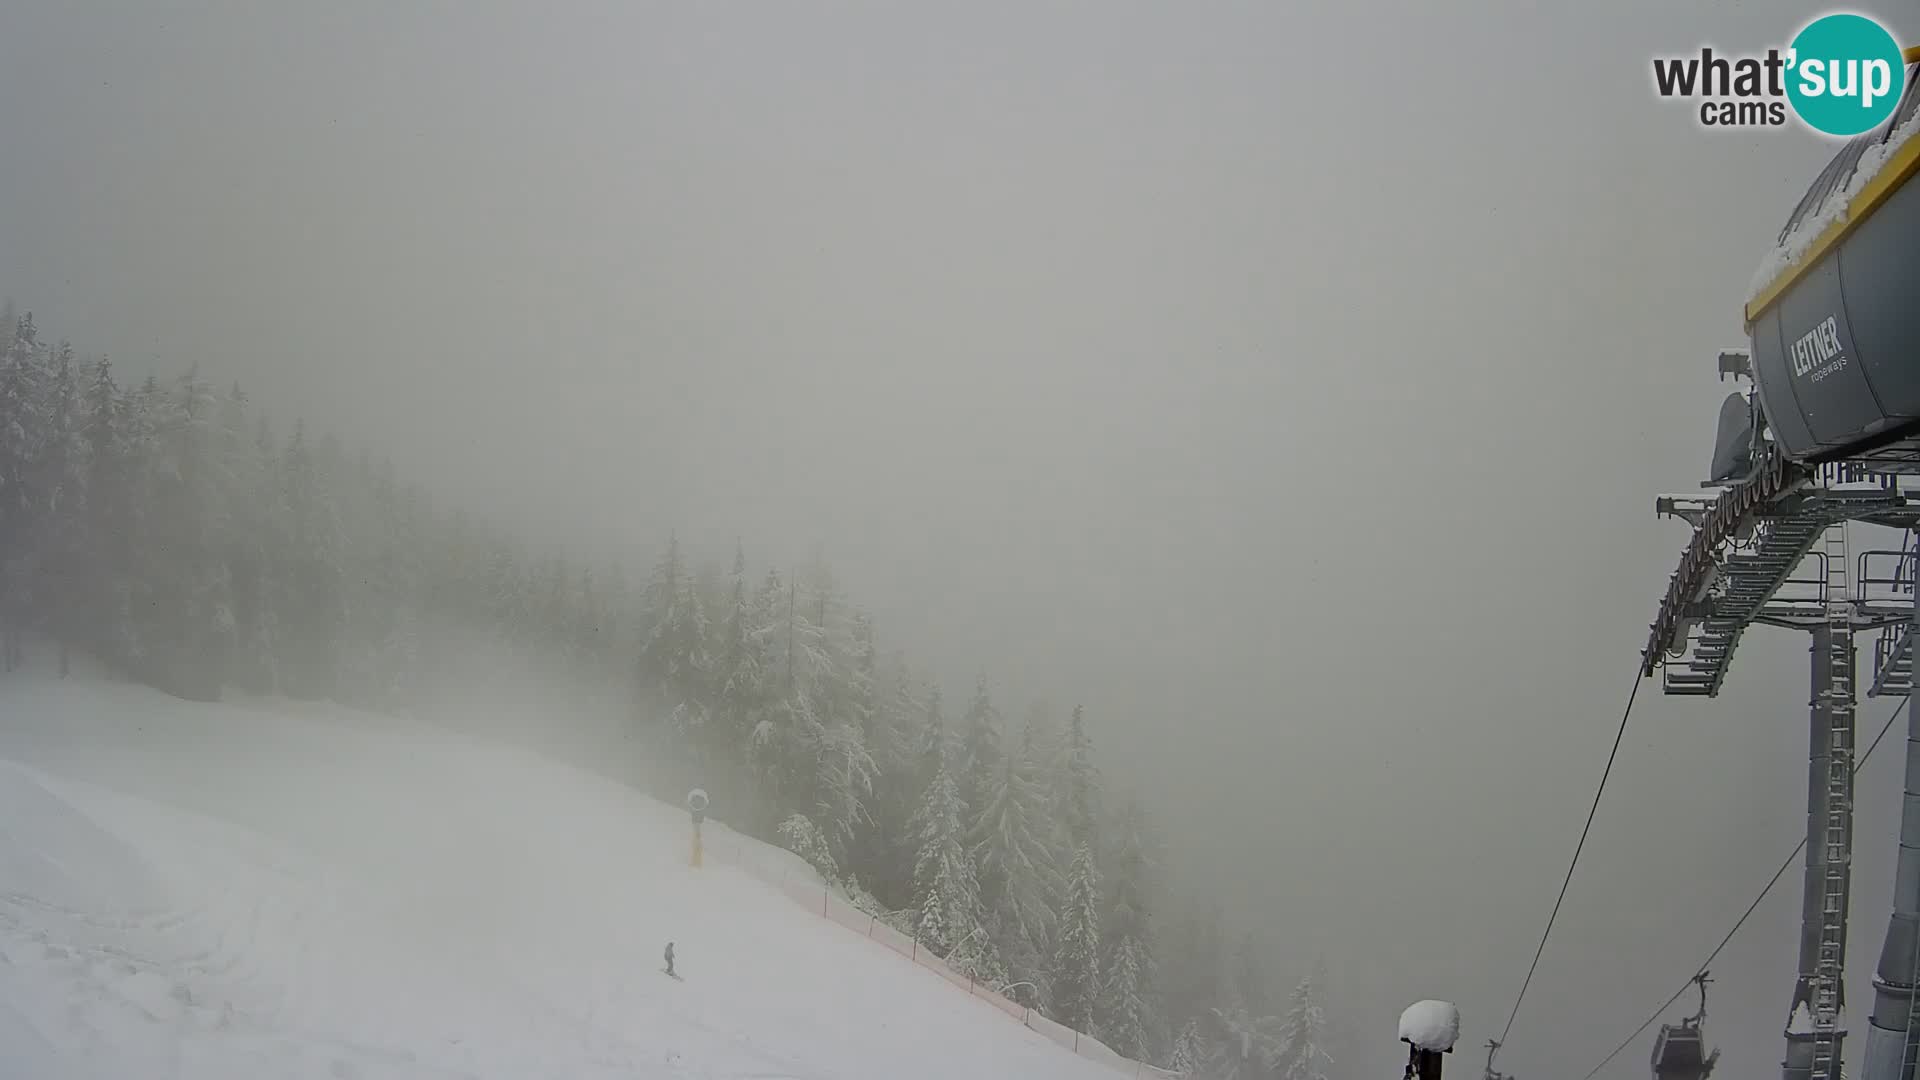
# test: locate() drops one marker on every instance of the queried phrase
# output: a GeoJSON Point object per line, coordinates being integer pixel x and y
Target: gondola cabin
{"type": "Point", "coordinates": [1680, 1053]}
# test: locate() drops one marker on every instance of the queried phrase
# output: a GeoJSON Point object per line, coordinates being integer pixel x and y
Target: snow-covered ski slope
{"type": "Point", "coordinates": [217, 891]}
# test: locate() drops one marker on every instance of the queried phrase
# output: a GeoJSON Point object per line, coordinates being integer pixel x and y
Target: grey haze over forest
{"type": "Point", "coordinates": [1287, 384]}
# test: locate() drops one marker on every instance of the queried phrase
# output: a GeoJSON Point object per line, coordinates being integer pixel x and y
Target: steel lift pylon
{"type": "Point", "coordinates": [1742, 567]}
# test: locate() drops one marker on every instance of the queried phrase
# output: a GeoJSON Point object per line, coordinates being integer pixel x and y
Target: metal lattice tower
{"type": "Point", "coordinates": [1746, 564]}
{"type": "Point", "coordinates": [1836, 702]}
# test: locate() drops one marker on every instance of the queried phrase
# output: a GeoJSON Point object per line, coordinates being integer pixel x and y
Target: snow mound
{"type": "Point", "coordinates": [1788, 253]}
{"type": "Point", "coordinates": [1431, 1025]}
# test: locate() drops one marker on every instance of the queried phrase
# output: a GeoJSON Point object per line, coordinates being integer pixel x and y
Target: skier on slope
{"type": "Point", "coordinates": [670, 959]}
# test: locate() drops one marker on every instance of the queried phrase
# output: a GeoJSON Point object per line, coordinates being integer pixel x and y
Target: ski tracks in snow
{"type": "Point", "coordinates": [211, 971]}
{"type": "Point", "coordinates": [232, 957]}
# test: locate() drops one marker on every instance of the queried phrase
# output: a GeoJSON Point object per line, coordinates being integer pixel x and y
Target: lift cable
{"type": "Point", "coordinates": [1771, 882]}
{"type": "Point", "coordinates": [1577, 849]}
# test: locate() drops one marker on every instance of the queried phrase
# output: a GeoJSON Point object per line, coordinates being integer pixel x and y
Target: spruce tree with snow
{"type": "Point", "coordinates": [23, 427]}
{"type": "Point", "coordinates": [817, 714]}
{"type": "Point", "coordinates": [980, 764]}
{"type": "Point", "coordinates": [1126, 966]}
{"type": "Point", "coordinates": [187, 613]}
{"type": "Point", "coordinates": [59, 538]}
{"type": "Point", "coordinates": [774, 748]}
{"type": "Point", "coordinates": [1123, 1010]}
{"type": "Point", "coordinates": [112, 489]}
{"type": "Point", "coordinates": [673, 655]}
{"type": "Point", "coordinates": [860, 683]}
{"type": "Point", "coordinates": [1303, 1036]}
{"type": "Point", "coordinates": [312, 611]}
{"type": "Point", "coordinates": [801, 836]}
{"type": "Point", "coordinates": [1019, 880]}
{"type": "Point", "coordinates": [1077, 785]}
{"type": "Point", "coordinates": [741, 674]}
{"type": "Point", "coordinates": [1076, 963]}
{"type": "Point", "coordinates": [981, 753]}
{"type": "Point", "coordinates": [886, 856]}
{"type": "Point", "coordinates": [1244, 1047]}
{"type": "Point", "coordinates": [844, 691]}
{"type": "Point", "coordinates": [845, 780]}
{"type": "Point", "coordinates": [900, 721]}
{"type": "Point", "coordinates": [1188, 1051]}
{"type": "Point", "coordinates": [249, 546]}
{"type": "Point", "coordinates": [936, 742]}
{"type": "Point", "coordinates": [947, 915]}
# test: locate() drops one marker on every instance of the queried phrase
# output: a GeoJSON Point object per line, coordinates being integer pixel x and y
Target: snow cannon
{"type": "Point", "coordinates": [1429, 1028]}
{"type": "Point", "coordinates": [697, 807]}
{"type": "Point", "coordinates": [1834, 329]}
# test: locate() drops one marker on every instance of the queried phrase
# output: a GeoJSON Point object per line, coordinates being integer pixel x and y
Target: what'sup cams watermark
{"type": "Point", "coordinates": [1842, 74]}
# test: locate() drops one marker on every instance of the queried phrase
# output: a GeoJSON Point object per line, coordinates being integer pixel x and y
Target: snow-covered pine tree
{"type": "Point", "coordinates": [885, 855]}
{"type": "Point", "coordinates": [861, 683]}
{"type": "Point", "coordinates": [187, 614]}
{"type": "Point", "coordinates": [112, 479]}
{"type": "Point", "coordinates": [775, 751]}
{"type": "Point", "coordinates": [270, 533]}
{"type": "Point", "coordinates": [1123, 1010]}
{"type": "Point", "coordinates": [1302, 1053]}
{"type": "Point", "coordinates": [1188, 1051]}
{"type": "Point", "coordinates": [1077, 786]}
{"type": "Point", "coordinates": [900, 717]}
{"type": "Point", "coordinates": [947, 916]}
{"type": "Point", "coordinates": [740, 673]}
{"type": "Point", "coordinates": [842, 695]}
{"type": "Point", "coordinates": [981, 753]}
{"type": "Point", "coordinates": [673, 664]}
{"type": "Point", "coordinates": [1042, 739]}
{"type": "Point", "coordinates": [979, 768]}
{"type": "Point", "coordinates": [845, 784]}
{"type": "Point", "coordinates": [1127, 969]}
{"type": "Point", "coordinates": [936, 742]}
{"type": "Point", "coordinates": [311, 613]}
{"type": "Point", "coordinates": [1020, 882]}
{"type": "Point", "coordinates": [23, 432]}
{"type": "Point", "coordinates": [812, 725]}
{"type": "Point", "coordinates": [1243, 1046]}
{"type": "Point", "coordinates": [248, 544]}
{"type": "Point", "coordinates": [866, 846]}
{"type": "Point", "coordinates": [59, 539]}
{"type": "Point", "coordinates": [801, 836]}
{"type": "Point", "coordinates": [1076, 963]}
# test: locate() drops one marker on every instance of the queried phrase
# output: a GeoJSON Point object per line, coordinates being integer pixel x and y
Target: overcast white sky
{"type": "Point", "coordinates": [1289, 383]}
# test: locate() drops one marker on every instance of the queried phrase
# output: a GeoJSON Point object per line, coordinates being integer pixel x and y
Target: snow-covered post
{"type": "Point", "coordinates": [1429, 1028]}
{"type": "Point", "coordinates": [697, 806]}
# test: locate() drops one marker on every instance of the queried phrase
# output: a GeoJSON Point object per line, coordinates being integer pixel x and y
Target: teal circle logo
{"type": "Point", "coordinates": [1844, 74]}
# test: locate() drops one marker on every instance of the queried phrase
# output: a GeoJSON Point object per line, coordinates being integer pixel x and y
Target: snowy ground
{"type": "Point", "coordinates": [287, 891]}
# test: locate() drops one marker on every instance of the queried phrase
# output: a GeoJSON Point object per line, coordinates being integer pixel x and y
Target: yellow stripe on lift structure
{"type": "Point", "coordinates": [1897, 170]}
